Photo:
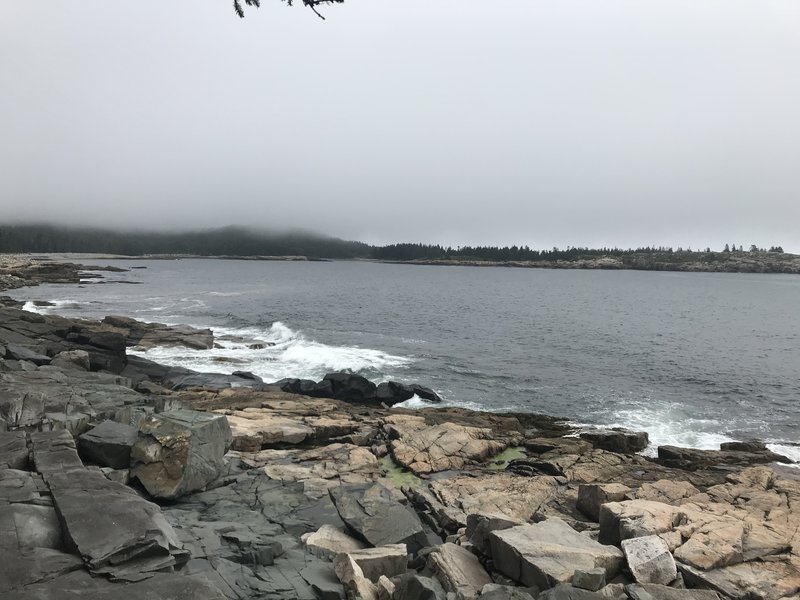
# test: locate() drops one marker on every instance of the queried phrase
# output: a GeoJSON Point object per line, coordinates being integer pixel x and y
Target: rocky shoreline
{"type": "Point", "coordinates": [691, 262]}
{"type": "Point", "coordinates": [122, 478]}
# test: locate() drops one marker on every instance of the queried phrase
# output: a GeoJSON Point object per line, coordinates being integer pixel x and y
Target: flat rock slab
{"type": "Point", "coordinates": [442, 447]}
{"type": "Point", "coordinates": [24, 526]}
{"type": "Point", "coordinates": [180, 451]}
{"type": "Point", "coordinates": [373, 515]}
{"type": "Point", "coordinates": [108, 444]}
{"type": "Point", "coordinates": [79, 586]}
{"type": "Point", "coordinates": [111, 527]}
{"type": "Point", "coordinates": [54, 452]}
{"type": "Point", "coordinates": [21, 486]}
{"type": "Point", "coordinates": [745, 581]}
{"type": "Point", "coordinates": [23, 568]}
{"type": "Point", "coordinates": [13, 450]}
{"type": "Point", "coordinates": [548, 553]}
{"type": "Point", "coordinates": [652, 591]}
{"type": "Point", "coordinates": [256, 429]}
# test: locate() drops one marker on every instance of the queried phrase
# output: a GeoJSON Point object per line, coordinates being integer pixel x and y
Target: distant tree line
{"type": "Point", "coordinates": [240, 241]}
{"type": "Point", "coordinates": [404, 252]}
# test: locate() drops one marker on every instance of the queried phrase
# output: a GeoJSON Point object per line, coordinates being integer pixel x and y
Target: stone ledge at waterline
{"type": "Point", "coordinates": [222, 492]}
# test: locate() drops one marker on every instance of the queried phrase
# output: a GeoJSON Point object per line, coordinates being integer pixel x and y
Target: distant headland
{"type": "Point", "coordinates": [244, 243]}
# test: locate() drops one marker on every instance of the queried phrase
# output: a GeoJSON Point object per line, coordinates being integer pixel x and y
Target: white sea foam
{"type": "Point", "coordinates": [53, 308]}
{"type": "Point", "coordinates": [790, 452]}
{"type": "Point", "coordinates": [667, 425]}
{"type": "Point", "coordinates": [285, 353]}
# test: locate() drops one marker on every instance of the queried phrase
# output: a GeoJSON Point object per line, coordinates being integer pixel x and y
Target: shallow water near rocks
{"type": "Point", "coordinates": [692, 358]}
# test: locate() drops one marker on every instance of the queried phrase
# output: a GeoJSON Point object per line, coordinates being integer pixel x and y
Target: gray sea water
{"type": "Point", "coordinates": [693, 358]}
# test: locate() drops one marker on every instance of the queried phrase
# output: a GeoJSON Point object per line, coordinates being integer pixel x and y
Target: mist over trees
{"type": "Point", "coordinates": [225, 241]}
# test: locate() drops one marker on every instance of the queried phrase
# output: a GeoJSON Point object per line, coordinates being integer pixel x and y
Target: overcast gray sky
{"type": "Point", "coordinates": [534, 122]}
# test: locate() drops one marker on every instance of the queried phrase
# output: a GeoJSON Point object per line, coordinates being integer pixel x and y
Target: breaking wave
{"type": "Point", "coordinates": [277, 352]}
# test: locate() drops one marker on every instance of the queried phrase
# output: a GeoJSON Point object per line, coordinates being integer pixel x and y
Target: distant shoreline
{"type": "Point", "coordinates": [740, 262]}
{"type": "Point", "coordinates": [32, 268]}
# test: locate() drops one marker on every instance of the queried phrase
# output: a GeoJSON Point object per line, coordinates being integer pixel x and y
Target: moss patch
{"type": "Point", "coordinates": [500, 461]}
{"type": "Point", "coordinates": [397, 475]}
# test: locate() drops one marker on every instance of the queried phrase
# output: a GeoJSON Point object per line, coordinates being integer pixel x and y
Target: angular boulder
{"type": "Point", "coordinates": [328, 541]}
{"type": "Point", "coordinates": [591, 496]}
{"type": "Point", "coordinates": [635, 518]}
{"type": "Point", "coordinates": [649, 560]}
{"type": "Point", "coordinates": [72, 359]}
{"type": "Point", "coordinates": [180, 451]}
{"type": "Point", "coordinates": [548, 553]}
{"type": "Point", "coordinates": [480, 525]}
{"type": "Point", "coordinates": [389, 560]}
{"type": "Point", "coordinates": [458, 570]}
{"type": "Point", "coordinates": [108, 444]}
{"type": "Point", "coordinates": [417, 587]}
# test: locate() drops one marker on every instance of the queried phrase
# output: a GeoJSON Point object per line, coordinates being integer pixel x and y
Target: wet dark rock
{"type": "Point", "coordinates": [416, 587]}
{"type": "Point", "coordinates": [373, 515]}
{"type": "Point", "coordinates": [350, 387]}
{"type": "Point", "coordinates": [108, 444]}
{"type": "Point", "coordinates": [392, 392]}
{"type": "Point", "coordinates": [618, 439]}
{"type": "Point", "coordinates": [744, 446]}
{"type": "Point", "coordinates": [150, 335]}
{"type": "Point", "coordinates": [692, 459]}
{"type": "Point", "coordinates": [17, 352]}
{"type": "Point", "coordinates": [425, 393]}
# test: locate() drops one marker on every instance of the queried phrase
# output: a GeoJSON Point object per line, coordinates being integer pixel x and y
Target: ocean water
{"type": "Point", "coordinates": [693, 358]}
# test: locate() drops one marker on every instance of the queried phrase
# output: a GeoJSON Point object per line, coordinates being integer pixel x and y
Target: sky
{"type": "Point", "coordinates": [538, 122]}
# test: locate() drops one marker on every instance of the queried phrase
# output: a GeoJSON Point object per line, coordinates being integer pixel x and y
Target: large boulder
{"type": "Point", "coordinates": [548, 553]}
{"type": "Point", "coordinates": [649, 560]}
{"type": "Point", "coordinates": [351, 387]}
{"type": "Point", "coordinates": [72, 359]}
{"type": "Point", "coordinates": [617, 439]}
{"type": "Point", "coordinates": [179, 451]}
{"type": "Point", "coordinates": [108, 444]}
